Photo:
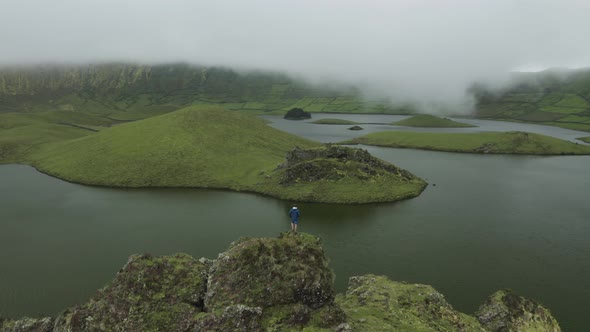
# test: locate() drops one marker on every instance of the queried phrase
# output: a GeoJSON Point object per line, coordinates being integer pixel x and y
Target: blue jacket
{"type": "Point", "coordinates": [294, 214]}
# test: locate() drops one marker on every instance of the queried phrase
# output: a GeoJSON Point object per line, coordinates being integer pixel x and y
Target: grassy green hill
{"type": "Point", "coordinates": [492, 142]}
{"type": "Point", "coordinates": [427, 120]}
{"type": "Point", "coordinates": [208, 147]}
{"type": "Point", "coordinates": [131, 92]}
{"type": "Point", "coordinates": [553, 97]}
{"type": "Point", "coordinates": [193, 147]}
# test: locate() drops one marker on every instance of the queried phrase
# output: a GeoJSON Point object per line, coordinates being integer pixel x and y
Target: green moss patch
{"type": "Point", "coordinates": [492, 142]}
{"type": "Point", "coordinates": [375, 303]}
{"type": "Point", "coordinates": [269, 272]}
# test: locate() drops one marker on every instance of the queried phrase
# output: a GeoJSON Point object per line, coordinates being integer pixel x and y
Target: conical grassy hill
{"type": "Point", "coordinates": [192, 147]}
{"type": "Point", "coordinates": [209, 147]}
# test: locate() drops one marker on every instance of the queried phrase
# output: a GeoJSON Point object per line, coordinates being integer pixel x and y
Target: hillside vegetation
{"type": "Point", "coordinates": [489, 142]}
{"type": "Point", "coordinates": [553, 97]}
{"type": "Point", "coordinates": [123, 92]}
{"type": "Point", "coordinates": [431, 121]}
{"type": "Point", "coordinates": [131, 92]}
{"type": "Point", "coordinates": [207, 147]}
{"type": "Point", "coordinates": [271, 285]}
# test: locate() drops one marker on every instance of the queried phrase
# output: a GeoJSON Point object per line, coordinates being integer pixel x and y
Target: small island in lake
{"type": "Point", "coordinates": [209, 147]}
{"type": "Point", "coordinates": [297, 114]}
{"type": "Point", "coordinates": [430, 121]}
{"type": "Point", "coordinates": [515, 142]}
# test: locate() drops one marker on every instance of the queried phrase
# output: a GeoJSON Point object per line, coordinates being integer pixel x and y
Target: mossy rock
{"type": "Point", "coordinates": [506, 311]}
{"type": "Point", "coordinates": [274, 285]}
{"type": "Point", "coordinates": [269, 272]}
{"type": "Point", "coordinates": [356, 128]}
{"type": "Point", "coordinates": [27, 325]}
{"type": "Point", "coordinates": [236, 318]}
{"type": "Point", "coordinates": [148, 294]}
{"type": "Point", "coordinates": [375, 303]}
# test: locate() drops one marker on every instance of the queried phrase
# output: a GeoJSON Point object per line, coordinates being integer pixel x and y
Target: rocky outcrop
{"type": "Point", "coordinates": [335, 162]}
{"type": "Point", "coordinates": [270, 272]}
{"type": "Point", "coordinates": [148, 293]}
{"type": "Point", "coordinates": [375, 303]}
{"type": "Point", "coordinates": [274, 284]}
{"type": "Point", "coordinates": [297, 114]}
{"type": "Point", "coordinates": [506, 311]}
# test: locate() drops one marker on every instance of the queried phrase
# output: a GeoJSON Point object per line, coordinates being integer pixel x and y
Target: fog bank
{"type": "Point", "coordinates": [424, 52]}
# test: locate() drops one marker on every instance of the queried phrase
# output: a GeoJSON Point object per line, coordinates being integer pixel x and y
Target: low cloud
{"type": "Point", "coordinates": [421, 52]}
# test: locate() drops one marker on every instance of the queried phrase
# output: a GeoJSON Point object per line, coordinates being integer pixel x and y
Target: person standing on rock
{"type": "Point", "coordinates": [294, 214]}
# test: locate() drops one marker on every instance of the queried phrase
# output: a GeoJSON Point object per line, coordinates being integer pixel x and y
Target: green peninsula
{"type": "Point", "coordinates": [274, 284]}
{"type": "Point", "coordinates": [491, 142]}
{"type": "Point", "coordinates": [209, 147]}
{"type": "Point", "coordinates": [430, 121]}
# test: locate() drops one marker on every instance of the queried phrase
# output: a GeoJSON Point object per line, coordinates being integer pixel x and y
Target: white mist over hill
{"type": "Point", "coordinates": [423, 52]}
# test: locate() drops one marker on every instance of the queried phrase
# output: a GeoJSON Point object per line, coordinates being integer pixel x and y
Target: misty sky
{"type": "Point", "coordinates": [423, 51]}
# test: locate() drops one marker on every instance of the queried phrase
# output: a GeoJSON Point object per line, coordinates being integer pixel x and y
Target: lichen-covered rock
{"type": "Point", "coordinates": [506, 311]}
{"type": "Point", "coordinates": [375, 303]}
{"type": "Point", "coordinates": [148, 294]}
{"type": "Point", "coordinates": [27, 325]}
{"type": "Point", "coordinates": [235, 318]}
{"type": "Point", "coordinates": [268, 272]}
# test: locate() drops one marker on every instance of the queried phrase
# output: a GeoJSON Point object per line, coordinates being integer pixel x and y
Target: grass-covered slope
{"type": "Point", "coordinates": [209, 147]}
{"type": "Point", "coordinates": [585, 139]}
{"type": "Point", "coordinates": [492, 142]}
{"type": "Point", "coordinates": [23, 133]}
{"type": "Point", "coordinates": [193, 147]}
{"type": "Point", "coordinates": [553, 97]}
{"type": "Point", "coordinates": [375, 303]}
{"type": "Point", "coordinates": [426, 120]}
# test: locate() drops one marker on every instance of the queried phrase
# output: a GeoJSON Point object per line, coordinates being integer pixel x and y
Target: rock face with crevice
{"type": "Point", "coordinates": [506, 311]}
{"type": "Point", "coordinates": [273, 284]}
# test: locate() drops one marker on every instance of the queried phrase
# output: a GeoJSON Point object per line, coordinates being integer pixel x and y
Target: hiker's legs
{"type": "Point", "coordinates": [295, 230]}
{"type": "Point", "coordinates": [292, 227]}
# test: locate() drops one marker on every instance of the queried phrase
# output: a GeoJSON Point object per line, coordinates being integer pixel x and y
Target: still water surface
{"type": "Point", "coordinates": [490, 222]}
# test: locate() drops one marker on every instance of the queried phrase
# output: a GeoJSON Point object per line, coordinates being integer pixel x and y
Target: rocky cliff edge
{"type": "Point", "coordinates": [274, 284]}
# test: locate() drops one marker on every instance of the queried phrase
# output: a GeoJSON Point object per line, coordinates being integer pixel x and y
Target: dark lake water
{"type": "Point", "coordinates": [490, 222]}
